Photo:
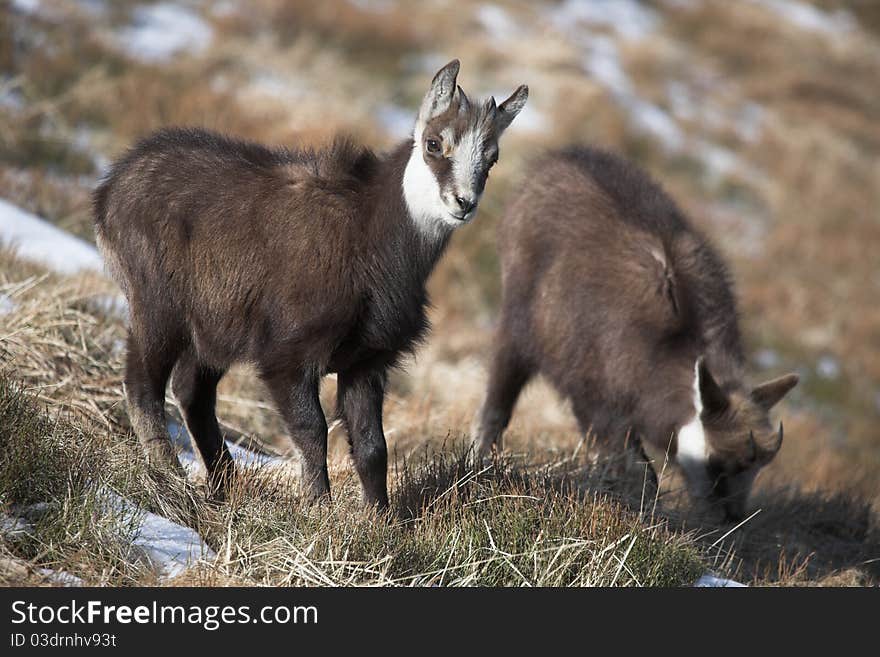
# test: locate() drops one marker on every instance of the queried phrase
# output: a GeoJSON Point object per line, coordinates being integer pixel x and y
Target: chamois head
{"type": "Point", "coordinates": [455, 144]}
{"type": "Point", "coordinates": [730, 439]}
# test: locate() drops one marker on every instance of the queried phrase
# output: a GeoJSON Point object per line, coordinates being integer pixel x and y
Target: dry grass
{"type": "Point", "coordinates": [560, 513]}
{"type": "Point", "coordinates": [797, 220]}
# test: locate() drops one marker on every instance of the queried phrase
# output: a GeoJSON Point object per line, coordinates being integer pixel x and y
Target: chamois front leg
{"type": "Point", "coordinates": [296, 396]}
{"type": "Point", "coordinates": [359, 401]}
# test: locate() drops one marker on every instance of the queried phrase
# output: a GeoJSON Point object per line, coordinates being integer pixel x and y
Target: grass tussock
{"type": "Point", "coordinates": [452, 525]}
{"type": "Point", "coordinates": [449, 525]}
{"type": "Point", "coordinates": [51, 474]}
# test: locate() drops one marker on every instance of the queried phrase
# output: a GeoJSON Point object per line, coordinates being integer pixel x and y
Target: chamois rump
{"type": "Point", "coordinates": [611, 294]}
{"type": "Point", "coordinates": [302, 262]}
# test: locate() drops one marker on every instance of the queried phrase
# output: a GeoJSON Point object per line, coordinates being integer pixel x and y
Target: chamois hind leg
{"type": "Point", "coordinates": [359, 404]}
{"type": "Point", "coordinates": [296, 396]}
{"type": "Point", "coordinates": [147, 368]}
{"type": "Point", "coordinates": [195, 388]}
{"type": "Point", "coordinates": [508, 373]}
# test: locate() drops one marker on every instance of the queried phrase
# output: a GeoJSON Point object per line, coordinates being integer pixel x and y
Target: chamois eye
{"type": "Point", "coordinates": [432, 145]}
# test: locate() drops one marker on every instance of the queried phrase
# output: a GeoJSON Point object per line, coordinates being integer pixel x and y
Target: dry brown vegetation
{"type": "Point", "coordinates": [796, 215]}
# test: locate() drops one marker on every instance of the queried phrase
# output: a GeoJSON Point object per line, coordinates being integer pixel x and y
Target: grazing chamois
{"type": "Point", "coordinates": [303, 262]}
{"type": "Point", "coordinates": [630, 313]}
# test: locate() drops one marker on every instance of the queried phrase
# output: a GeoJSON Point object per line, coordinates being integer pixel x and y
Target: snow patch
{"type": "Point", "coordinates": [14, 527]}
{"type": "Point", "coordinates": [163, 30]}
{"type": "Point", "coordinates": [425, 63]}
{"type": "Point", "coordinates": [7, 305]}
{"type": "Point", "coordinates": [828, 367]}
{"type": "Point", "coordinates": [375, 6]}
{"type": "Point", "coordinates": [767, 358]}
{"type": "Point", "coordinates": [531, 119]}
{"type": "Point", "coordinates": [628, 18]}
{"type": "Point", "coordinates": [397, 121]}
{"type": "Point", "coordinates": [497, 22]}
{"type": "Point", "coordinates": [707, 581]}
{"type": "Point", "coordinates": [690, 102]}
{"type": "Point", "coordinates": [92, 8]}
{"type": "Point", "coordinates": [36, 239]}
{"type": "Point", "coordinates": [26, 6]}
{"type": "Point", "coordinates": [268, 84]}
{"type": "Point", "coordinates": [808, 17]}
{"type": "Point", "coordinates": [602, 61]}
{"type": "Point", "coordinates": [170, 548]}
{"type": "Point", "coordinates": [241, 455]}
{"type": "Point", "coordinates": [10, 98]}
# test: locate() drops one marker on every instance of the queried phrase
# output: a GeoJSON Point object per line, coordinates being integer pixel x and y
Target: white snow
{"type": "Point", "coordinates": [497, 22]}
{"type": "Point", "coordinates": [395, 120]}
{"type": "Point", "coordinates": [60, 577]}
{"type": "Point", "coordinates": [163, 30]}
{"type": "Point", "coordinates": [111, 305]}
{"type": "Point", "coordinates": [241, 455]}
{"type": "Point", "coordinates": [426, 63]}
{"type": "Point", "coordinates": [11, 99]}
{"type": "Point", "coordinates": [700, 103]}
{"type": "Point", "coordinates": [719, 161]}
{"type": "Point", "coordinates": [711, 581]}
{"type": "Point", "coordinates": [7, 305]}
{"type": "Point", "coordinates": [92, 8]}
{"type": "Point", "coordinates": [531, 119]}
{"type": "Point", "coordinates": [767, 358]}
{"type": "Point", "coordinates": [38, 240]}
{"type": "Point", "coordinates": [169, 547]}
{"type": "Point", "coordinates": [828, 367]}
{"type": "Point", "coordinates": [26, 6]}
{"type": "Point", "coordinates": [13, 527]}
{"type": "Point", "coordinates": [630, 19]}
{"type": "Point", "coordinates": [809, 17]}
{"type": "Point", "coordinates": [84, 140]}
{"type": "Point", "coordinates": [602, 61]}
{"type": "Point", "coordinates": [376, 6]}
{"type": "Point", "coordinates": [274, 85]}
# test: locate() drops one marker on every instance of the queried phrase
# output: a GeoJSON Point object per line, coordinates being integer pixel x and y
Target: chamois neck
{"type": "Point", "coordinates": [401, 230]}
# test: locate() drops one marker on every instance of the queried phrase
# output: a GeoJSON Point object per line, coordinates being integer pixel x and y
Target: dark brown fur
{"type": "Point", "coordinates": [301, 262]}
{"type": "Point", "coordinates": [612, 296]}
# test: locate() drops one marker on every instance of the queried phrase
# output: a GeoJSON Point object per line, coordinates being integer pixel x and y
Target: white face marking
{"type": "Point", "coordinates": [467, 160]}
{"type": "Point", "coordinates": [422, 195]}
{"type": "Point", "coordinates": [693, 450]}
{"type": "Point", "coordinates": [432, 213]}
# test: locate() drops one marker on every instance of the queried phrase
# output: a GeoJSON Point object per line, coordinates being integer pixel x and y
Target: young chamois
{"type": "Point", "coordinates": [302, 262]}
{"type": "Point", "coordinates": [611, 295]}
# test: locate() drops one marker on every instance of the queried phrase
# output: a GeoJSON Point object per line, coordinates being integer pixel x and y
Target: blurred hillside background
{"type": "Point", "coordinates": [761, 117]}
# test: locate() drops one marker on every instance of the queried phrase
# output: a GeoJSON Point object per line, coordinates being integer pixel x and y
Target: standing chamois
{"type": "Point", "coordinates": [612, 296]}
{"type": "Point", "coordinates": [302, 262]}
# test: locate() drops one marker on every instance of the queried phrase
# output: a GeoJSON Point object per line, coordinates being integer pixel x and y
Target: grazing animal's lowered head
{"type": "Point", "coordinates": [729, 439]}
{"type": "Point", "coordinates": [455, 144]}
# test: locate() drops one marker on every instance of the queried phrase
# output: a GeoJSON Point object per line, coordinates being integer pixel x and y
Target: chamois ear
{"type": "Point", "coordinates": [439, 96]}
{"type": "Point", "coordinates": [768, 394]}
{"type": "Point", "coordinates": [508, 110]}
{"type": "Point", "coordinates": [712, 397]}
